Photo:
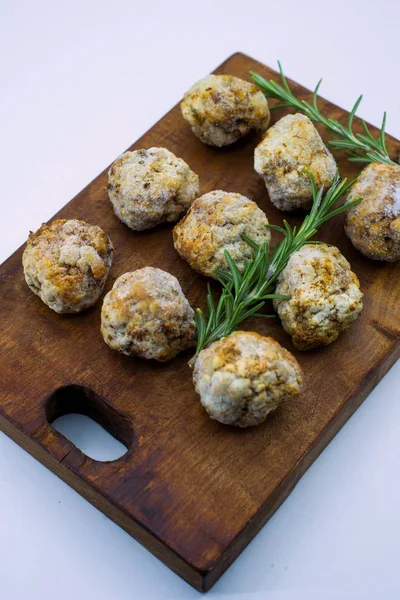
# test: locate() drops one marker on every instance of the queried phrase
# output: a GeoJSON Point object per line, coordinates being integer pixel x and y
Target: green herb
{"type": "Point", "coordinates": [244, 294]}
{"type": "Point", "coordinates": [362, 147]}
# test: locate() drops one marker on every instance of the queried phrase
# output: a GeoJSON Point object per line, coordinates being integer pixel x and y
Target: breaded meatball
{"type": "Point", "coordinates": [216, 222]}
{"type": "Point", "coordinates": [221, 109]}
{"type": "Point", "coordinates": [325, 296]}
{"type": "Point", "coordinates": [244, 376]}
{"type": "Point", "coordinates": [289, 152]}
{"type": "Point", "coordinates": [149, 187]}
{"type": "Point", "coordinates": [66, 264]}
{"type": "Point", "coordinates": [373, 225]}
{"type": "Point", "coordinates": [146, 314]}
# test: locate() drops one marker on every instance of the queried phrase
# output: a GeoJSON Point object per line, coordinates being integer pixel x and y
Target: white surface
{"type": "Point", "coordinates": [90, 437]}
{"type": "Point", "coordinates": [80, 81]}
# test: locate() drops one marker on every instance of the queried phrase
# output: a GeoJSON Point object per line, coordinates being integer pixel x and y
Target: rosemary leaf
{"type": "Point", "coordinates": [361, 147]}
{"type": "Point", "coordinates": [245, 293]}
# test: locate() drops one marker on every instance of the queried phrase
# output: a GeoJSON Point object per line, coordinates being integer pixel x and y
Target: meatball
{"type": "Point", "coordinates": [67, 263]}
{"type": "Point", "coordinates": [146, 314]}
{"type": "Point", "coordinates": [244, 376]}
{"type": "Point", "coordinates": [291, 150]}
{"type": "Point", "coordinates": [325, 296]}
{"type": "Point", "coordinates": [221, 109]}
{"type": "Point", "coordinates": [149, 187]}
{"type": "Point", "coordinates": [373, 225]}
{"type": "Point", "coordinates": [216, 222]}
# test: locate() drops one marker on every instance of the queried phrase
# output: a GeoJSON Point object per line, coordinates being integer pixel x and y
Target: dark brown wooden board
{"type": "Point", "coordinates": [191, 490]}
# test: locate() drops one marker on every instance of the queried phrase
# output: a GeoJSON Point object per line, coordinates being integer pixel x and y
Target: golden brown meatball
{"type": "Point", "coordinates": [291, 150]}
{"type": "Point", "coordinates": [216, 222]}
{"type": "Point", "coordinates": [146, 314]}
{"type": "Point", "coordinates": [221, 109]}
{"type": "Point", "coordinates": [150, 187]}
{"type": "Point", "coordinates": [66, 264]}
{"type": "Point", "coordinates": [325, 296]}
{"type": "Point", "coordinates": [241, 378]}
{"type": "Point", "coordinates": [373, 225]}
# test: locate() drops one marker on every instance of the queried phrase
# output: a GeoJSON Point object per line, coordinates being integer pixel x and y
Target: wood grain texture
{"type": "Point", "coordinates": [191, 490]}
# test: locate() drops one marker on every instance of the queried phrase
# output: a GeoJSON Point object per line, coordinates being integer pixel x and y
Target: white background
{"type": "Point", "coordinates": [80, 81]}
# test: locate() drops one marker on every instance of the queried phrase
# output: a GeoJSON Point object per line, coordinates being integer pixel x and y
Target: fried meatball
{"type": "Point", "coordinates": [244, 376]}
{"type": "Point", "coordinates": [373, 225]}
{"type": "Point", "coordinates": [146, 314]}
{"type": "Point", "coordinates": [325, 296]}
{"type": "Point", "coordinates": [221, 109]}
{"type": "Point", "coordinates": [149, 187]}
{"type": "Point", "coordinates": [289, 152]}
{"type": "Point", "coordinates": [67, 263]}
{"type": "Point", "coordinates": [216, 222]}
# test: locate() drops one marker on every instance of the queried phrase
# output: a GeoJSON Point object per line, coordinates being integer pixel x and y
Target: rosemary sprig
{"type": "Point", "coordinates": [244, 294]}
{"type": "Point", "coordinates": [362, 147]}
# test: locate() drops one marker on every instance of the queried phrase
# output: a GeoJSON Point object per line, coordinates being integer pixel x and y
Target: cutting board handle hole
{"type": "Point", "coordinates": [89, 422]}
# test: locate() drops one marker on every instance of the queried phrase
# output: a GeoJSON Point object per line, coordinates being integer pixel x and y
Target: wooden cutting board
{"type": "Point", "coordinates": [194, 492]}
